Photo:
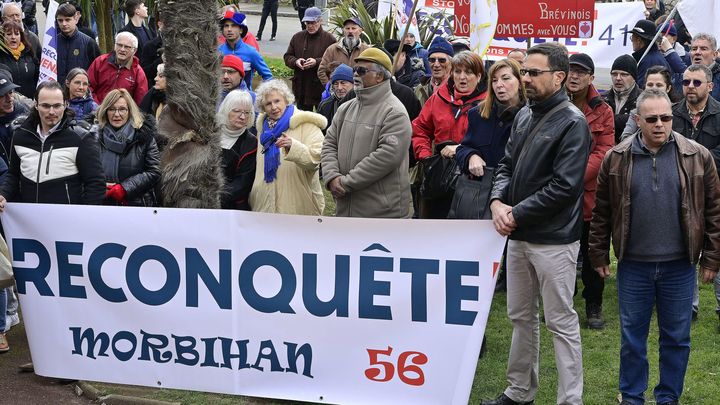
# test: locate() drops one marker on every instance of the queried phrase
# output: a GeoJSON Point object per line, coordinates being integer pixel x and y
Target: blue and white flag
{"type": "Point", "coordinates": [48, 63]}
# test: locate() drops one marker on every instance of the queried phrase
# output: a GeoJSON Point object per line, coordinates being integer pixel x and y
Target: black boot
{"type": "Point", "coordinates": [594, 315]}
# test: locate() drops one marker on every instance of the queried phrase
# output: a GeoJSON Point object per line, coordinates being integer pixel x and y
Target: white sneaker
{"type": "Point", "coordinates": [11, 320]}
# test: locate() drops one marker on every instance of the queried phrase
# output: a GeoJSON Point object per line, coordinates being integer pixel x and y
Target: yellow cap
{"type": "Point", "coordinates": [377, 56]}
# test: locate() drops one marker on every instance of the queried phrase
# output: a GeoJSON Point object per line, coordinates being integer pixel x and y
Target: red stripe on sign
{"type": "Point", "coordinates": [495, 267]}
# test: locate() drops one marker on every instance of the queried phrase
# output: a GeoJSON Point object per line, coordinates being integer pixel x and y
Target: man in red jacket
{"type": "Point", "coordinates": [119, 69]}
{"type": "Point", "coordinates": [599, 116]}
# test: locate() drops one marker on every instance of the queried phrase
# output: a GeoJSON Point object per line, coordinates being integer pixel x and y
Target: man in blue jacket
{"type": "Point", "coordinates": [74, 49]}
{"type": "Point", "coordinates": [641, 38]}
{"type": "Point", "coordinates": [232, 29]}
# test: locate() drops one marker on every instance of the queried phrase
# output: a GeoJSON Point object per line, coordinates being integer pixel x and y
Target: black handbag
{"type": "Point", "coordinates": [472, 197]}
{"type": "Point", "coordinates": [439, 177]}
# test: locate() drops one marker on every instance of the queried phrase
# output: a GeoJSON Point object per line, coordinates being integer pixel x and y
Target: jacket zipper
{"type": "Point", "coordinates": [67, 192]}
{"type": "Point", "coordinates": [47, 165]}
{"type": "Point", "coordinates": [39, 169]}
{"type": "Point", "coordinates": [655, 179]}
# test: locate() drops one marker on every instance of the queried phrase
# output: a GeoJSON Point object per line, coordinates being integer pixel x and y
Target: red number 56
{"type": "Point", "coordinates": [382, 371]}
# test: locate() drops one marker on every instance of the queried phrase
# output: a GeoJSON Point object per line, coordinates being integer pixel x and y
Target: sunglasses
{"type": "Point", "coordinates": [361, 70]}
{"type": "Point", "coordinates": [695, 82]}
{"type": "Point", "coordinates": [535, 72]}
{"type": "Point", "coordinates": [438, 60]}
{"type": "Point", "coordinates": [651, 119]}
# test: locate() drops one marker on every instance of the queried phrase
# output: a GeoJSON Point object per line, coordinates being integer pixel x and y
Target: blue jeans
{"type": "Point", "coordinates": [3, 308]}
{"type": "Point", "coordinates": [668, 286]}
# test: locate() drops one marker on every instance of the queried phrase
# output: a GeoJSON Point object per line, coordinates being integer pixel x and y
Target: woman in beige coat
{"type": "Point", "coordinates": [288, 154]}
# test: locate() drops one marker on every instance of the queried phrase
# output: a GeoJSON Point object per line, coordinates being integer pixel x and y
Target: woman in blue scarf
{"type": "Point", "coordinates": [128, 151]}
{"type": "Point", "coordinates": [288, 154]}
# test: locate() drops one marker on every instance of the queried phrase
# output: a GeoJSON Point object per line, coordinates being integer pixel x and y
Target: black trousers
{"type": "Point", "coordinates": [270, 8]}
{"type": "Point", "coordinates": [301, 15]}
{"type": "Point", "coordinates": [594, 284]}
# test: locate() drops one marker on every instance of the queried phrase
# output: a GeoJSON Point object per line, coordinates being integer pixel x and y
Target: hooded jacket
{"type": "Point", "coordinates": [106, 75]}
{"type": "Point", "coordinates": [296, 189]}
{"type": "Point", "coordinates": [443, 118]}
{"type": "Point", "coordinates": [65, 168]}
{"type": "Point", "coordinates": [545, 187]}
{"type": "Point", "coordinates": [599, 117]}
{"type": "Point", "coordinates": [367, 148]}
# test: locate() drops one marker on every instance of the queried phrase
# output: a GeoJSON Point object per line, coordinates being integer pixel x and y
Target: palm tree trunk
{"type": "Point", "coordinates": [192, 177]}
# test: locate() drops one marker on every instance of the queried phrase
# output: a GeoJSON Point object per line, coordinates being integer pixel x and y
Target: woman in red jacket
{"type": "Point", "coordinates": [443, 122]}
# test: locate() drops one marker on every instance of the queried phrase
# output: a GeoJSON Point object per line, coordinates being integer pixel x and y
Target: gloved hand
{"type": "Point", "coordinates": [117, 193]}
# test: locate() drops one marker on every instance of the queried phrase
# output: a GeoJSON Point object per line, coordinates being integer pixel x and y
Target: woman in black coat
{"type": "Point", "coordinates": [129, 153]}
{"type": "Point", "coordinates": [235, 118]}
{"type": "Point", "coordinates": [20, 59]}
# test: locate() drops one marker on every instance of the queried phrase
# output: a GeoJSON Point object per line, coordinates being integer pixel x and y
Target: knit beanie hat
{"type": "Point", "coordinates": [342, 72]}
{"type": "Point", "coordinates": [234, 62]}
{"type": "Point", "coordinates": [626, 63]}
{"type": "Point", "coordinates": [440, 44]}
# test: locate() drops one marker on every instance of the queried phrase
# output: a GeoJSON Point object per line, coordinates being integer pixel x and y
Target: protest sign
{"type": "Point", "coordinates": [548, 18]}
{"type": "Point", "coordinates": [335, 310]}
{"type": "Point", "coordinates": [48, 62]}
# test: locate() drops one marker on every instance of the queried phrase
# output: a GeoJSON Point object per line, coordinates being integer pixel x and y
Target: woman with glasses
{"type": "Point", "coordinates": [288, 154]}
{"type": "Point", "coordinates": [154, 100]}
{"type": "Point", "coordinates": [656, 77]}
{"type": "Point", "coordinates": [239, 147]}
{"type": "Point", "coordinates": [442, 124]}
{"type": "Point", "coordinates": [19, 57]}
{"type": "Point", "coordinates": [129, 153]}
{"type": "Point", "coordinates": [77, 88]}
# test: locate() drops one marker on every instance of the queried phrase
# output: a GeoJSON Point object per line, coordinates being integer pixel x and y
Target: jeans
{"type": "Point", "coordinates": [3, 308]}
{"type": "Point", "coordinates": [667, 286]}
{"type": "Point", "coordinates": [270, 7]}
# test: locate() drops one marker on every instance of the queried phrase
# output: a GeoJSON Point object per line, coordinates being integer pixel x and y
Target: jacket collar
{"type": "Point", "coordinates": [711, 108]}
{"type": "Point", "coordinates": [546, 105]}
{"type": "Point", "coordinates": [374, 93]}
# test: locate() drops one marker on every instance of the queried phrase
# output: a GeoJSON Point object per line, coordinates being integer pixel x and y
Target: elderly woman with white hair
{"type": "Point", "coordinates": [239, 147]}
{"type": "Point", "coordinates": [118, 69]}
{"type": "Point", "coordinates": [288, 156]}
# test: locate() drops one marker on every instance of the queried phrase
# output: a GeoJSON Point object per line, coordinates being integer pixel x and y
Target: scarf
{"type": "Point", "coordinates": [267, 140]}
{"type": "Point", "coordinates": [115, 141]}
{"type": "Point", "coordinates": [228, 137]}
{"type": "Point", "coordinates": [18, 51]}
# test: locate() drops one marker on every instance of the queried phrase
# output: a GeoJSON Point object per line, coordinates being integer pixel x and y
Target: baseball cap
{"type": "Point", "coordinates": [6, 83]}
{"type": "Point", "coordinates": [312, 14]}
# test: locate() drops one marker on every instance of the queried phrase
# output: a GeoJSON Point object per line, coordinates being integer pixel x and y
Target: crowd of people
{"type": "Point", "coordinates": [395, 130]}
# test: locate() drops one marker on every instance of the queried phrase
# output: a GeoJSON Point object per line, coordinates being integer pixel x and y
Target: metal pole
{"type": "Point", "coordinates": [658, 34]}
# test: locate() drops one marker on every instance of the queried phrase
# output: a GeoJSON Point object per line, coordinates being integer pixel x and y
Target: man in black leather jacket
{"type": "Point", "coordinates": [537, 202]}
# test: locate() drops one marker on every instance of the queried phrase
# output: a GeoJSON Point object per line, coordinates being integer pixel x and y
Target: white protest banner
{"type": "Point", "coordinates": [700, 16]}
{"type": "Point", "coordinates": [483, 22]}
{"type": "Point", "coordinates": [48, 62]}
{"type": "Point", "coordinates": [332, 310]}
{"type": "Point", "coordinates": [611, 35]}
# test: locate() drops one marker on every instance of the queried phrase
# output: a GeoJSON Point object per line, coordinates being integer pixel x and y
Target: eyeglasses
{"type": "Point", "coordinates": [122, 46]}
{"type": "Point", "coordinates": [578, 72]}
{"type": "Point", "coordinates": [535, 72]}
{"type": "Point", "coordinates": [651, 119]}
{"type": "Point", "coordinates": [695, 82]}
{"type": "Point", "coordinates": [47, 107]}
{"type": "Point", "coordinates": [362, 71]}
{"type": "Point", "coordinates": [241, 112]}
{"type": "Point", "coordinates": [121, 111]}
{"type": "Point", "coordinates": [438, 60]}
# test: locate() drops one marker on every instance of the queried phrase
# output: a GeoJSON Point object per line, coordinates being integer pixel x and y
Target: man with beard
{"type": "Point", "coordinates": [624, 92]}
{"type": "Point", "coordinates": [303, 55]}
{"type": "Point", "coordinates": [697, 117]}
{"type": "Point", "coordinates": [344, 51]}
{"type": "Point", "coordinates": [536, 201]}
{"type": "Point", "coordinates": [599, 115]}
{"type": "Point", "coordinates": [361, 156]}
{"type": "Point", "coordinates": [440, 54]}
{"type": "Point", "coordinates": [231, 77]}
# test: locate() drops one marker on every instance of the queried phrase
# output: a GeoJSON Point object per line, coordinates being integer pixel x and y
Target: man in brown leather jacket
{"type": "Point", "coordinates": [657, 200]}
